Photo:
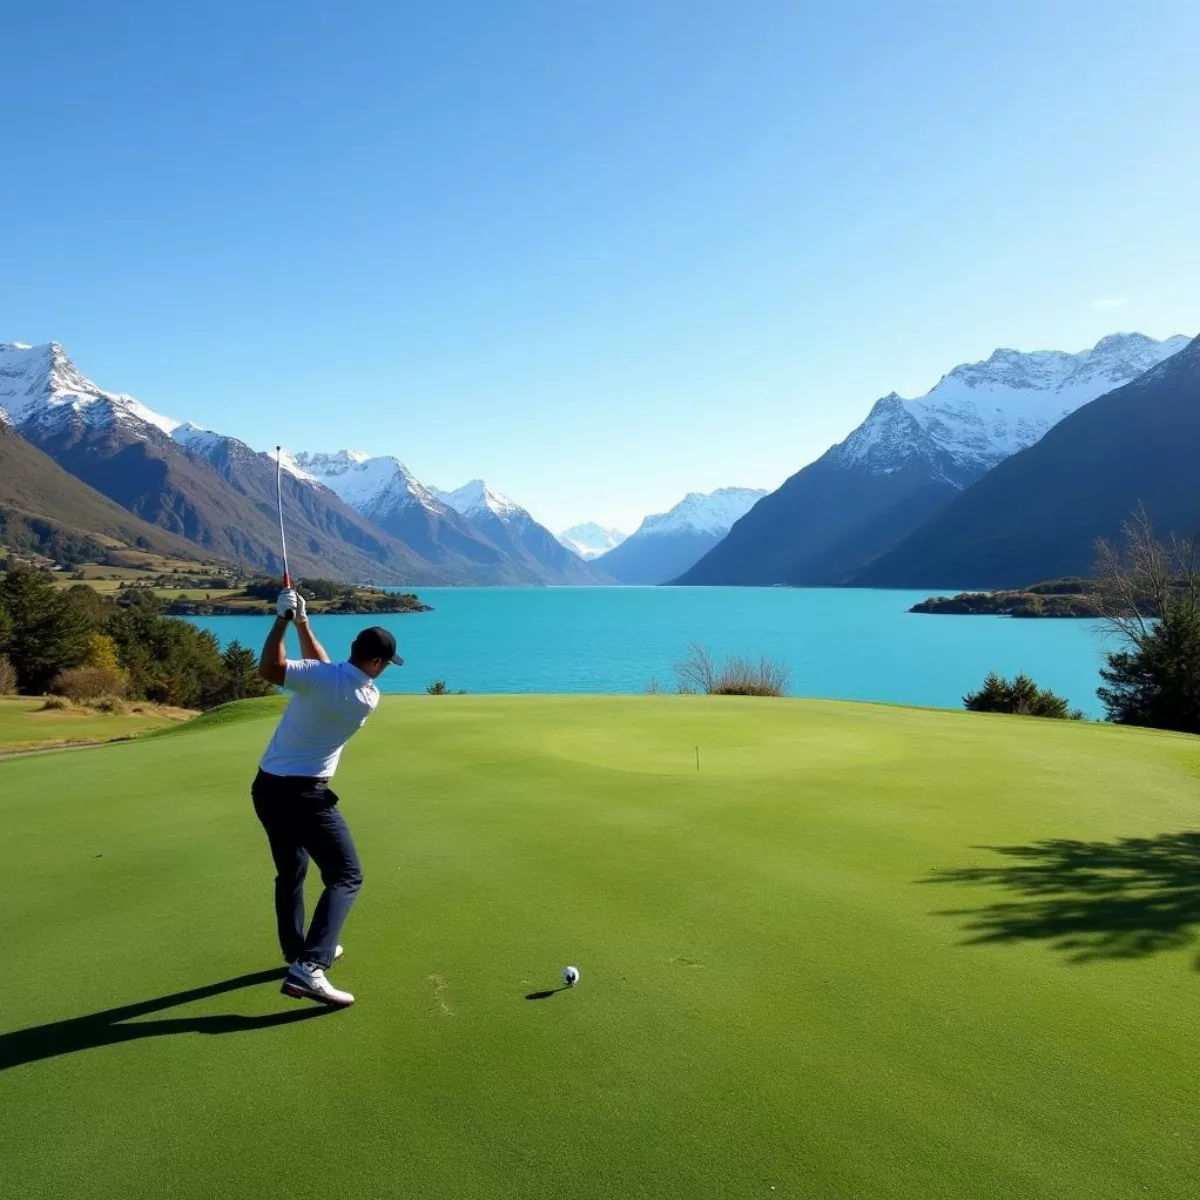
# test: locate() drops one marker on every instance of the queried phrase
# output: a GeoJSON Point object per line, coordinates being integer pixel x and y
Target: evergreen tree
{"type": "Point", "coordinates": [242, 679]}
{"type": "Point", "coordinates": [1150, 596]}
{"type": "Point", "coordinates": [48, 632]}
{"type": "Point", "coordinates": [168, 661]}
{"type": "Point", "coordinates": [6, 627]}
{"type": "Point", "coordinates": [1156, 682]}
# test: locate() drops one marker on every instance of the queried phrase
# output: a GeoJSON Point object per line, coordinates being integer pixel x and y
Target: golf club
{"type": "Point", "coordinates": [287, 577]}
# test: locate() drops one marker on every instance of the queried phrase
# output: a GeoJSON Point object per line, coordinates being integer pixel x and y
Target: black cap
{"type": "Point", "coordinates": [376, 642]}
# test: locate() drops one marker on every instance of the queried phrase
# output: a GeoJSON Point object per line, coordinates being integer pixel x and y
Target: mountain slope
{"type": "Point", "coordinates": [590, 540]}
{"type": "Point", "coordinates": [910, 458]}
{"type": "Point", "coordinates": [1037, 515]}
{"type": "Point", "coordinates": [388, 495]}
{"type": "Point", "coordinates": [510, 527]}
{"type": "Point", "coordinates": [214, 491]}
{"type": "Point", "coordinates": [44, 507]}
{"type": "Point", "coordinates": [667, 544]}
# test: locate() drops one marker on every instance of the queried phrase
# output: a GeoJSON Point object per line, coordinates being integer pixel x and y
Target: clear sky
{"type": "Point", "coordinates": [599, 253]}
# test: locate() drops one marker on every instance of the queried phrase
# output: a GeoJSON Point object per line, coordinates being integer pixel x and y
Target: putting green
{"type": "Point", "coordinates": [806, 971]}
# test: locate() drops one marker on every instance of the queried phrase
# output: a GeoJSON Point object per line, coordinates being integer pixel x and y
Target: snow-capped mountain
{"type": "Point", "coordinates": [40, 385]}
{"type": "Point", "coordinates": [700, 512]}
{"type": "Point", "coordinates": [667, 544]}
{"type": "Point", "coordinates": [590, 540]}
{"type": "Point", "coordinates": [1039, 514]}
{"type": "Point", "coordinates": [389, 495]}
{"type": "Point", "coordinates": [213, 490]}
{"type": "Point", "coordinates": [909, 458]}
{"type": "Point", "coordinates": [514, 530]}
{"type": "Point", "coordinates": [374, 486]}
{"type": "Point", "coordinates": [980, 413]}
{"type": "Point", "coordinates": [474, 525]}
{"type": "Point", "coordinates": [476, 498]}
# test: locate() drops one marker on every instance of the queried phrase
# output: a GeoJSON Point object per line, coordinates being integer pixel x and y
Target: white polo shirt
{"type": "Point", "coordinates": [330, 703]}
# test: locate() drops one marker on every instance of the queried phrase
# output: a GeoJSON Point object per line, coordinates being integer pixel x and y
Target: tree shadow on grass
{"type": "Point", "coordinates": [1091, 901]}
{"type": "Point", "coordinates": [107, 1028]}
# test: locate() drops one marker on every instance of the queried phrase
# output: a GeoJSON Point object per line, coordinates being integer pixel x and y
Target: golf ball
{"type": "Point", "coordinates": [570, 976]}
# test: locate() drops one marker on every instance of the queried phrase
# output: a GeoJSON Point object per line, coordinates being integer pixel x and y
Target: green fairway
{"type": "Point", "coordinates": [808, 968]}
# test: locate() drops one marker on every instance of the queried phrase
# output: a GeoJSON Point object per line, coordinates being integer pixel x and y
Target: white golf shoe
{"type": "Point", "coordinates": [306, 981]}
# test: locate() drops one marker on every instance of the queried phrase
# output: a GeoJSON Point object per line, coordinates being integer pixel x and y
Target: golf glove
{"type": "Point", "coordinates": [290, 605]}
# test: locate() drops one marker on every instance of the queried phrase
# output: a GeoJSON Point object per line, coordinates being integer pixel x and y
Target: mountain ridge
{"type": "Point", "coordinates": [1037, 515]}
{"type": "Point", "coordinates": [909, 458]}
{"type": "Point", "coordinates": [213, 490]}
{"type": "Point", "coordinates": [666, 544]}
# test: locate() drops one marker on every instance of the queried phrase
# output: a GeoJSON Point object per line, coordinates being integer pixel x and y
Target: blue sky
{"type": "Point", "coordinates": [600, 254]}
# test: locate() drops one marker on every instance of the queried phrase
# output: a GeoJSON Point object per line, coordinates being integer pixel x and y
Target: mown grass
{"type": "Point", "coordinates": [860, 952]}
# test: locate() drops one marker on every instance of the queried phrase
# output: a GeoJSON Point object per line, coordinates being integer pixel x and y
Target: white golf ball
{"type": "Point", "coordinates": [570, 976]}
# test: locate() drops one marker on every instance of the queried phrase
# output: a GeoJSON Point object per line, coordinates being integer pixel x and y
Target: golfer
{"type": "Point", "coordinates": [292, 797]}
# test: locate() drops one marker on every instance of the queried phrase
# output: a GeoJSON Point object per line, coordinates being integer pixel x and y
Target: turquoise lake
{"type": "Point", "coordinates": [841, 644]}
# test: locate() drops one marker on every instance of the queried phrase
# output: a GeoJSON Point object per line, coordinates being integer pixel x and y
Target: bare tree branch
{"type": "Point", "coordinates": [1138, 580]}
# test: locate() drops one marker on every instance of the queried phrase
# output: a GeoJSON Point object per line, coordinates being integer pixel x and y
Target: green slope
{"type": "Point", "coordinates": [41, 506]}
{"type": "Point", "coordinates": [783, 983]}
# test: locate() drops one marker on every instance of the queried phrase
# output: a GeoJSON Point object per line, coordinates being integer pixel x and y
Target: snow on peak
{"type": "Point", "coordinates": [980, 413]}
{"type": "Point", "coordinates": [699, 512]}
{"type": "Point", "coordinates": [370, 485]}
{"type": "Point", "coordinates": [192, 437]}
{"type": "Point", "coordinates": [476, 498]}
{"type": "Point", "coordinates": [590, 540]}
{"type": "Point", "coordinates": [41, 383]}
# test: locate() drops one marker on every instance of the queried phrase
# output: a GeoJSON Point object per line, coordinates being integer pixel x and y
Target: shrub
{"type": "Point", "coordinates": [1020, 696]}
{"type": "Point", "coordinates": [56, 704]}
{"type": "Point", "coordinates": [437, 688]}
{"type": "Point", "coordinates": [109, 704]}
{"type": "Point", "coordinates": [735, 677]}
{"type": "Point", "coordinates": [84, 684]}
{"type": "Point", "coordinates": [8, 677]}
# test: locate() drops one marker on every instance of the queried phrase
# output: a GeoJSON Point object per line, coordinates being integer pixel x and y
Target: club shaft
{"type": "Point", "coordinates": [287, 576]}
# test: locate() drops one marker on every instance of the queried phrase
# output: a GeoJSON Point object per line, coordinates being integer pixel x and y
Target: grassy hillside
{"type": "Point", "coordinates": [43, 509]}
{"type": "Point", "coordinates": [861, 952]}
{"type": "Point", "coordinates": [26, 725]}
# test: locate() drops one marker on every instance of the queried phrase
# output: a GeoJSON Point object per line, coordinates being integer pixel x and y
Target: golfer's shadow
{"type": "Point", "coordinates": [107, 1028]}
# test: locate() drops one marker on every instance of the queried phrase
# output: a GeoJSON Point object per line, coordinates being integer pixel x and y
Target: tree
{"type": "Point", "coordinates": [1149, 591]}
{"type": "Point", "coordinates": [48, 632]}
{"type": "Point", "coordinates": [168, 661]}
{"type": "Point", "coordinates": [6, 627]}
{"type": "Point", "coordinates": [1156, 682]}
{"type": "Point", "coordinates": [242, 679]}
{"type": "Point", "coordinates": [1019, 696]}
{"type": "Point", "coordinates": [100, 652]}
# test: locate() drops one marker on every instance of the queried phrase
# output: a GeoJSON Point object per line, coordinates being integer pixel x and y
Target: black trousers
{"type": "Point", "coordinates": [302, 820]}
